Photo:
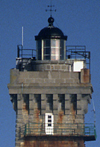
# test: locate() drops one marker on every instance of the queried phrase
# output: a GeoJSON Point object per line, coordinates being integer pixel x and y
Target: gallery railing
{"type": "Point", "coordinates": [62, 129]}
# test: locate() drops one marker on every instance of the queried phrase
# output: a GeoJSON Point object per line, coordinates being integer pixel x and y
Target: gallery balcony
{"type": "Point", "coordinates": [85, 131]}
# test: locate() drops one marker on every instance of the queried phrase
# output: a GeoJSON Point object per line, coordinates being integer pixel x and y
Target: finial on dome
{"type": "Point", "coordinates": [50, 21]}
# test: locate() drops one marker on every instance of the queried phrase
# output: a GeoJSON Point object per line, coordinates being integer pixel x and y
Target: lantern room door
{"type": "Point", "coordinates": [49, 123]}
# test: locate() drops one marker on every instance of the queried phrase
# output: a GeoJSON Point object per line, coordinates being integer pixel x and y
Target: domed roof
{"type": "Point", "coordinates": [50, 32]}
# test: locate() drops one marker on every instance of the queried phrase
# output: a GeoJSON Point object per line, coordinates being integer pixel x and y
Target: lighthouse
{"type": "Point", "coordinates": [50, 89]}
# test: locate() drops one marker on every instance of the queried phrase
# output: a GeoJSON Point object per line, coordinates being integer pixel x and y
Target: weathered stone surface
{"type": "Point", "coordinates": [44, 79]}
{"type": "Point", "coordinates": [51, 143]}
{"type": "Point", "coordinates": [85, 76]}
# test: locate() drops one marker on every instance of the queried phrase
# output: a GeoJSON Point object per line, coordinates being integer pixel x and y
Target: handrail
{"type": "Point", "coordinates": [25, 53]}
{"type": "Point", "coordinates": [78, 52]}
{"type": "Point", "coordinates": [72, 52]}
{"type": "Point", "coordinates": [74, 129]}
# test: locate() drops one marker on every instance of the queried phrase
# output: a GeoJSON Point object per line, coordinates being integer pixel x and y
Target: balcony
{"type": "Point", "coordinates": [85, 131]}
{"type": "Point", "coordinates": [74, 55]}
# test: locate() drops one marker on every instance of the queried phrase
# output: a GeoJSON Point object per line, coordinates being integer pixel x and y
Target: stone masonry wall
{"type": "Point", "coordinates": [26, 85]}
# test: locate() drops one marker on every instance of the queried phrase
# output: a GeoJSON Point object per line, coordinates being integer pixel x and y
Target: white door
{"type": "Point", "coordinates": [49, 120]}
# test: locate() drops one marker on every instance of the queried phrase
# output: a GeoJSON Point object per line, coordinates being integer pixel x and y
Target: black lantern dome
{"type": "Point", "coordinates": [51, 43]}
{"type": "Point", "coordinates": [50, 32]}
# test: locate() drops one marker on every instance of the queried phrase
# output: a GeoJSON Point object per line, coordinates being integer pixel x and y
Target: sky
{"type": "Point", "coordinates": [78, 19]}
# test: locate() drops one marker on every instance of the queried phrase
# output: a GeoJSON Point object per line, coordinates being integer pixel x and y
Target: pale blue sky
{"type": "Point", "coordinates": [79, 19]}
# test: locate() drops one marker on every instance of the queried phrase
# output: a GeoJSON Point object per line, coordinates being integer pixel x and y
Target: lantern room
{"type": "Point", "coordinates": [51, 43]}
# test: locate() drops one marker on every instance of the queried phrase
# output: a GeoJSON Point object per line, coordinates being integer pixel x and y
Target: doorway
{"type": "Point", "coordinates": [49, 123]}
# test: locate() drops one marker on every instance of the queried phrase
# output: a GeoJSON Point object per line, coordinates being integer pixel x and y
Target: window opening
{"type": "Point", "coordinates": [49, 116]}
{"type": "Point", "coordinates": [14, 101]}
{"type": "Point", "coordinates": [62, 101]}
{"type": "Point", "coordinates": [26, 102]}
{"type": "Point", "coordinates": [47, 49]}
{"type": "Point", "coordinates": [55, 47]}
{"type": "Point", "coordinates": [74, 102]}
{"type": "Point", "coordinates": [50, 101]}
{"type": "Point", "coordinates": [39, 53]}
{"type": "Point", "coordinates": [62, 50]}
{"type": "Point", "coordinates": [38, 101]}
{"type": "Point", "coordinates": [49, 120]}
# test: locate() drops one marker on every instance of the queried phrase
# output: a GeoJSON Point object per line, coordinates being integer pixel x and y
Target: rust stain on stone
{"type": "Point", "coordinates": [27, 144]}
{"type": "Point", "coordinates": [73, 113]}
{"type": "Point", "coordinates": [25, 107]}
{"type": "Point", "coordinates": [53, 143]}
{"type": "Point", "coordinates": [81, 144]}
{"type": "Point", "coordinates": [37, 112]}
{"type": "Point", "coordinates": [60, 117]}
{"type": "Point", "coordinates": [71, 144]}
{"type": "Point", "coordinates": [85, 76]}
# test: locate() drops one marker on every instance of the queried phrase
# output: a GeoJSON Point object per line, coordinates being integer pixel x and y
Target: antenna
{"type": "Point", "coordinates": [22, 36]}
{"type": "Point", "coordinates": [50, 8]}
{"type": "Point", "coordinates": [94, 111]}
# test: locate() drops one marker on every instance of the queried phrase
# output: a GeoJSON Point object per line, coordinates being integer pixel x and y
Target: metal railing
{"type": "Point", "coordinates": [25, 53]}
{"type": "Point", "coordinates": [78, 52]}
{"type": "Point", "coordinates": [72, 53]}
{"type": "Point", "coordinates": [62, 129]}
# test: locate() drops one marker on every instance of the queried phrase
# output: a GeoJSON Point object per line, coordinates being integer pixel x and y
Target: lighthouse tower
{"type": "Point", "coordinates": [50, 92]}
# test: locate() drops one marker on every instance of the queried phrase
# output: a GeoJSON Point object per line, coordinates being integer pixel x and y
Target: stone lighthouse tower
{"type": "Point", "coordinates": [50, 93]}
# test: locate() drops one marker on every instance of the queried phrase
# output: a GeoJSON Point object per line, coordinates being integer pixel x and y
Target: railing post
{"type": "Point", "coordinates": [84, 129]}
{"type": "Point", "coordinates": [18, 51]}
{"type": "Point", "coordinates": [25, 130]}
{"type": "Point", "coordinates": [95, 131]}
{"type": "Point", "coordinates": [32, 53]}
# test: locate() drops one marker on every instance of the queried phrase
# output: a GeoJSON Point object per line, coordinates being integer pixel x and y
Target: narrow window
{"type": "Point", "coordinates": [39, 50]}
{"type": "Point", "coordinates": [62, 102]}
{"type": "Point", "coordinates": [38, 101]}
{"type": "Point", "coordinates": [50, 101]}
{"type": "Point", "coordinates": [14, 101]}
{"type": "Point", "coordinates": [47, 49]}
{"type": "Point", "coordinates": [74, 102]}
{"type": "Point", "coordinates": [62, 50]}
{"type": "Point", "coordinates": [49, 116]}
{"type": "Point", "coordinates": [26, 102]}
{"type": "Point", "coordinates": [55, 47]}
